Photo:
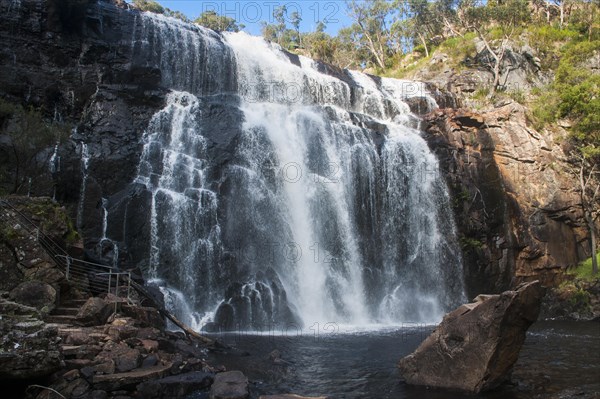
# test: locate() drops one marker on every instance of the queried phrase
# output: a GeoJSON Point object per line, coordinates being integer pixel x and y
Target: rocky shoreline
{"type": "Point", "coordinates": [98, 352]}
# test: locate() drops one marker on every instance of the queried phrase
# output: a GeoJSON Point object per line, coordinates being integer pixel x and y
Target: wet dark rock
{"type": "Point", "coordinates": [229, 385]}
{"type": "Point", "coordinates": [476, 345]}
{"type": "Point", "coordinates": [149, 345]}
{"type": "Point", "coordinates": [10, 275]}
{"type": "Point", "coordinates": [117, 381]}
{"type": "Point", "coordinates": [290, 396]}
{"type": "Point", "coordinates": [176, 386]}
{"type": "Point", "coordinates": [144, 316]}
{"type": "Point", "coordinates": [95, 311]}
{"type": "Point", "coordinates": [35, 293]}
{"type": "Point", "coordinates": [419, 105]}
{"type": "Point", "coordinates": [150, 361]}
{"type": "Point", "coordinates": [97, 394]}
{"type": "Point", "coordinates": [29, 348]}
{"type": "Point", "coordinates": [124, 357]}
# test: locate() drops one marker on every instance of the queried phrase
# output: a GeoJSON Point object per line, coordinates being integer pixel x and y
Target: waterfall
{"type": "Point", "coordinates": [185, 232]}
{"type": "Point", "coordinates": [106, 245]}
{"type": "Point", "coordinates": [85, 161]}
{"type": "Point", "coordinates": [54, 163]}
{"type": "Point", "coordinates": [286, 194]}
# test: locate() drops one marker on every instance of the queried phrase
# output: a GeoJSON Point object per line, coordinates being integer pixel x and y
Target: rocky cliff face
{"type": "Point", "coordinates": [72, 59]}
{"type": "Point", "coordinates": [515, 196]}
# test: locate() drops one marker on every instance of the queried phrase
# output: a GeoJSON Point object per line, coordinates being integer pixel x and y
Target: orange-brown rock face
{"type": "Point", "coordinates": [515, 196]}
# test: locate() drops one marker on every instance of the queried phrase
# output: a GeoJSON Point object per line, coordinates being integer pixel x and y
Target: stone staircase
{"type": "Point", "coordinates": [65, 313]}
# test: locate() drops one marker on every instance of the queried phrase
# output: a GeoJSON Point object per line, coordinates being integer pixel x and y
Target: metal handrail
{"type": "Point", "coordinates": [84, 268]}
{"type": "Point", "coordinates": [77, 271]}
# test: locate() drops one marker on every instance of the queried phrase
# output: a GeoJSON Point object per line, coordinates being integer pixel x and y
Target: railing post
{"type": "Point", "coordinates": [128, 285]}
{"type": "Point", "coordinates": [109, 279]}
{"type": "Point", "coordinates": [117, 293]}
{"type": "Point", "coordinates": [68, 267]}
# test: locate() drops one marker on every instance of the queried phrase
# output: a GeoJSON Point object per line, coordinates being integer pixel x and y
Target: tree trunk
{"type": "Point", "coordinates": [374, 52]}
{"type": "Point", "coordinates": [593, 245]}
{"type": "Point", "coordinates": [497, 65]}
{"type": "Point", "coordinates": [424, 45]}
{"type": "Point", "coordinates": [372, 46]}
{"type": "Point", "coordinates": [496, 77]}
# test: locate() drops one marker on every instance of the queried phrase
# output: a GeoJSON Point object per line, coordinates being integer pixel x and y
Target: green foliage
{"type": "Point", "coordinates": [370, 29]}
{"type": "Point", "coordinates": [577, 288]}
{"type": "Point", "coordinates": [459, 47]}
{"type": "Point", "coordinates": [149, 5]}
{"type": "Point", "coordinates": [72, 236]}
{"type": "Point", "coordinates": [551, 34]}
{"type": "Point", "coordinates": [583, 271]}
{"type": "Point", "coordinates": [153, 6]}
{"type": "Point", "coordinates": [176, 14]}
{"type": "Point", "coordinates": [500, 16]}
{"type": "Point", "coordinates": [320, 46]}
{"type": "Point", "coordinates": [460, 199]}
{"type": "Point", "coordinates": [53, 219]}
{"type": "Point", "coordinates": [279, 33]}
{"type": "Point", "coordinates": [545, 109]}
{"type": "Point", "coordinates": [481, 93]}
{"type": "Point", "coordinates": [574, 94]}
{"type": "Point", "coordinates": [408, 71]}
{"type": "Point", "coordinates": [580, 298]}
{"type": "Point", "coordinates": [468, 243]}
{"type": "Point", "coordinates": [8, 233]}
{"type": "Point", "coordinates": [220, 23]}
{"type": "Point", "coordinates": [517, 96]}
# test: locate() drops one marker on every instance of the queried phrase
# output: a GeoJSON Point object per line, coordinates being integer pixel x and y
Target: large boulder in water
{"type": "Point", "coordinates": [476, 345]}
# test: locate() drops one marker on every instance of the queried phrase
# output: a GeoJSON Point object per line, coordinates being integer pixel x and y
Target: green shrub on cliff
{"type": "Point", "coordinates": [220, 23]}
{"type": "Point", "coordinates": [574, 94]}
{"type": "Point", "coordinates": [149, 5]}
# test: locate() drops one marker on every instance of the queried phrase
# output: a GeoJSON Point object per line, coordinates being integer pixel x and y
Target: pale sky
{"type": "Point", "coordinates": [251, 13]}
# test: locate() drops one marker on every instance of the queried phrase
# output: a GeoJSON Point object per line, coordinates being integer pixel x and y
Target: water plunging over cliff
{"type": "Point", "coordinates": [284, 195]}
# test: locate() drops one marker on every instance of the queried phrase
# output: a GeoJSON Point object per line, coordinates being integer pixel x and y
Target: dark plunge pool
{"type": "Point", "coordinates": [558, 360]}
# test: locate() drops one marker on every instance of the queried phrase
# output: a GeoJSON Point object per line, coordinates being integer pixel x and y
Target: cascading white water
{"type": "Point", "coordinates": [54, 163]}
{"type": "Point", "coordinates": [328, 207]}
{"type": "Point", "coordinates": [185, 232]}
{"type": "Point", "coordinates": [85, 161]}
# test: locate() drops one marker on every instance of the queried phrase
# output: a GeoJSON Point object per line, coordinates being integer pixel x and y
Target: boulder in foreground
{"type": "Point", "coordinates": [476, 345]}
{"type": "Point", "coordinates": [290, 396]}
{"type": "Point", "coordinates": [229, 385]}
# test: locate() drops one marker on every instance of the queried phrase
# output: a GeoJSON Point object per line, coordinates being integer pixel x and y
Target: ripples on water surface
{"type": "Point", "coordinates": [558, 360]}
